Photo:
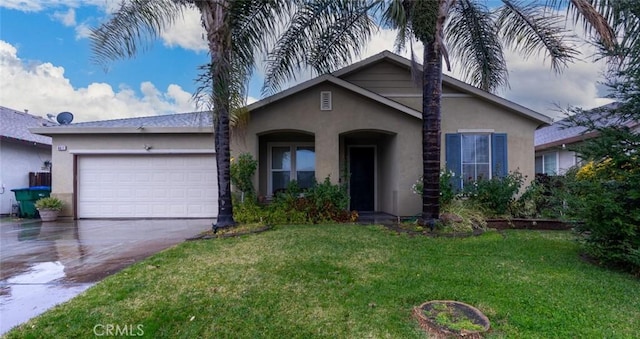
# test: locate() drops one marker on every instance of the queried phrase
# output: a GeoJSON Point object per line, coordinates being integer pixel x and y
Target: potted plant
{"type": "Point", "coordinates": [49, 208]}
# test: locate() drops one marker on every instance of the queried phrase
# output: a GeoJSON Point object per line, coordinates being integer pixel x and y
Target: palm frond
{"type": "Point", "coordinates": [252, 23]}
{"type": "Point", "coordinates": [528, 29]}
{"type": "Point", "coordinates": [342, 37]}
{"type": "Point", "coordinates": [323, 34]}
{"type": "Point", "coordinates": [597, 16]}
{"type": "Point", "coordinates": [135, 24]}
{"type": "Point", "coordinates": [476, 46]}
{"type": "Point", "coordinates": [396, 16]}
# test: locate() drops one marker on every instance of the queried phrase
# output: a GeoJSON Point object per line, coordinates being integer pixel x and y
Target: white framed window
{"type": "Point", "coordinates": [547, 163]}
{"type": "Point", "coordinates": [291, 161]}
{"type": "Point", "coordinates": [476, 157]}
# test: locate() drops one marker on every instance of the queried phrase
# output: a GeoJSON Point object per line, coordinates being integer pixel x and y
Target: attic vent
{"type": "Point", "coordinates": [325, 101]}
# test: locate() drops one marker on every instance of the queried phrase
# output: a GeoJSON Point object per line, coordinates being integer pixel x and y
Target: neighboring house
{"type": "Point", "coordinates": [21, 152]}
{"type": "Point", "coordinates": [554, 144]}
{"type": "Point", "coordinates": [360, 125]}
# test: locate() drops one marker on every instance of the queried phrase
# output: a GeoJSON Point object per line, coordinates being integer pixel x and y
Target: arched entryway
{"type": "Point", "coordinates": [368, 161]}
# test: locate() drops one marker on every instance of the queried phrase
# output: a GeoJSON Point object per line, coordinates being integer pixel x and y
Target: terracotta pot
{"type": "Point", "coordinates": [48, 215]}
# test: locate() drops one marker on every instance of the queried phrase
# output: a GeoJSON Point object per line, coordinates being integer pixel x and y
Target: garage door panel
{"type": "Point", "coordinates": [148, 186]}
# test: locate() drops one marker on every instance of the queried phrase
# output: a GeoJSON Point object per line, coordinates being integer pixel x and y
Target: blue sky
{"type": "Point", "coordinates": [45, 67]}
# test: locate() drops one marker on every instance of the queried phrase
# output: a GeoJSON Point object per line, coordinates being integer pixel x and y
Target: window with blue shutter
{"type": "Point", "coordinates": [499, 164]}
{"type": "Point", "coordinates": [472, 156]}
{"type": "Point", "coordinates": [453, 158]}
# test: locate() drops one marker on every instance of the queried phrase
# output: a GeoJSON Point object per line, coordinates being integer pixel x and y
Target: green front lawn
{"type": "Point", "coordinates": [353, 281]}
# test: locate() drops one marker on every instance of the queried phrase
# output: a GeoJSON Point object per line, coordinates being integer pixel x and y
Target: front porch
{"type": "Point", "coordinates": [364, 160]}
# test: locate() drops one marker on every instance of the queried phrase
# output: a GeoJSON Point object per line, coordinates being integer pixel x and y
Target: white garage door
{"type": "Point", "coordinates": [147, 186]}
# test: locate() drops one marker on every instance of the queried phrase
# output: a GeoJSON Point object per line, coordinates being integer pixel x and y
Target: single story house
{"type": "Point", "coordinates": [360, 125]}
{"type": "Point", "coordinates": [21, 152]}
{"type": "Point", "coordinates": [555, 144]}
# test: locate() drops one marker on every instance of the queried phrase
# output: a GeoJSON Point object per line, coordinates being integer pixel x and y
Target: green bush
{"type": "Point", "coordinates": [545, 197]}
{"type": "Point", "coordinates": [447, 192]}
{"type": "Point", "coordinates": [49, 203]}
{"type": "Point", "coordinates": [322, 202]}
{"type": "Point", "coordinates": [496, 195]}
{"type": "Point", "coordinates": [248, 211]}
{"type": "Point", "coordinates": [608, 203]}
{"type": "Point", "coordinates": [242, 171]}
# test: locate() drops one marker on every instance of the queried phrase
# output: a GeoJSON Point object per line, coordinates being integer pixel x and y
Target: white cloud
{"type": "Point", "coordinates": [385, 39]}
{"type": "Point", "coordinates": [38, 5]}
{"type": "Point", "coordinates": [67, 18]}
{"type": "Point", "coordinates": [23, 5]}
{"type": "Point", "coordinates": [43, 88]}
{"type": "Point", "coordinates": [534, 85]}
{"type": "Point", "coordinates": [83, 31]}
{"type": "Point", "coordinates": [187, 32]}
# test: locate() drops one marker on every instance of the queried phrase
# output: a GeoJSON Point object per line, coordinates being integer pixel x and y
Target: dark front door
{"type": "Point", "coordinates": [362, 179]}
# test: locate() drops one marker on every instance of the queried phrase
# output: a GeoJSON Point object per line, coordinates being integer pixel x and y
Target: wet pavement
{"type": "Point", "coordinates": [44, 264]}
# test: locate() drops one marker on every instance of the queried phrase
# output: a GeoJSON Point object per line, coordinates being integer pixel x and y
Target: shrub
{"type": "Point", "coordinates": [607, 199]}
{"type": "Point", "coordinates": [496, 195]}
{"type": "Point", "coordinates": [49, 203]}
{"type": "Point", "coordinates": [242, 171]}
{"type": "Point", "coordinates": [322, 202]}
{"type": "Point", "coordinates": [447, 192]}
{"type": "Point", "coordinates": [545, 197]}
{"type": "Point", "coordinates": [248, 211]}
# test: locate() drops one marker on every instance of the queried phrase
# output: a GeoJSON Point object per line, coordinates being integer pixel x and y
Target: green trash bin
{"type": "Point", "coordinates": [27, 197]}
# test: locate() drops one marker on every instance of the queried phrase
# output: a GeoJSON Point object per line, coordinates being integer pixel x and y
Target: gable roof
{"type": "Point", "coordinates": [14, 125]}
{"type": "Point", "coordinates": [449, 81]}
{"type": "Point", "coordinates": [562, 132]}
{"type": "Point", "coordinates": [186, 122]}
{"type": "Point", "coordinates": [341, 83]}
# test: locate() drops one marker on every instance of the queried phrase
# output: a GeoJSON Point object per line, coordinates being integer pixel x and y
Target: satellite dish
{"type": "Point", "coordinates": [64, 118]}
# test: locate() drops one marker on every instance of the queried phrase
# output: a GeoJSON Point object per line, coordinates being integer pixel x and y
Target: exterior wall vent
{"type": "Point", "coordinates": [325, 101]}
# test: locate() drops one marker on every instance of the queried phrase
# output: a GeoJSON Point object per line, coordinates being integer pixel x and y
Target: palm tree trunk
{"type": "Point", "coordinates": [431, 105]}
{"type": "Point", "coordinates": [219, 39]}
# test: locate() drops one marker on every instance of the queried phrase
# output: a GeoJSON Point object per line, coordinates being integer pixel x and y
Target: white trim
{"type": "Point", "coordinates": [375, 173]}
{"type": "Point", "coordinates": [490, 146]}
{"type": "Point", "coordinates": [141, 151]}
{"type": "Point", "coordinates": [557, 158]}
{"type": "Point", "coordinates": [292, 170]}
{"type": "Point", "coordinates": [476, 131]}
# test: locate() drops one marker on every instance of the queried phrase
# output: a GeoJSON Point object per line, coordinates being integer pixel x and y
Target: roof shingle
{"type": "Point", "coordinates": [15, 125]}
{"type": "Point", "coordinates": [193, 119]}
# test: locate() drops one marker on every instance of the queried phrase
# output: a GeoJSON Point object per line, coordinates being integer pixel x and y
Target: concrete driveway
{"type": "Point", "coordinates": [43, 264]}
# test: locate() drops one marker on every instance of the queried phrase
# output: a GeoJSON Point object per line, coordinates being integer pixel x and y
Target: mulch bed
{"type": "Point", "coordinates": [531, 224]}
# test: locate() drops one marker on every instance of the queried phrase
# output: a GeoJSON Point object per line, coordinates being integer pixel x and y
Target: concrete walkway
{"type": "Point", "coordinates": [43, 264]}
